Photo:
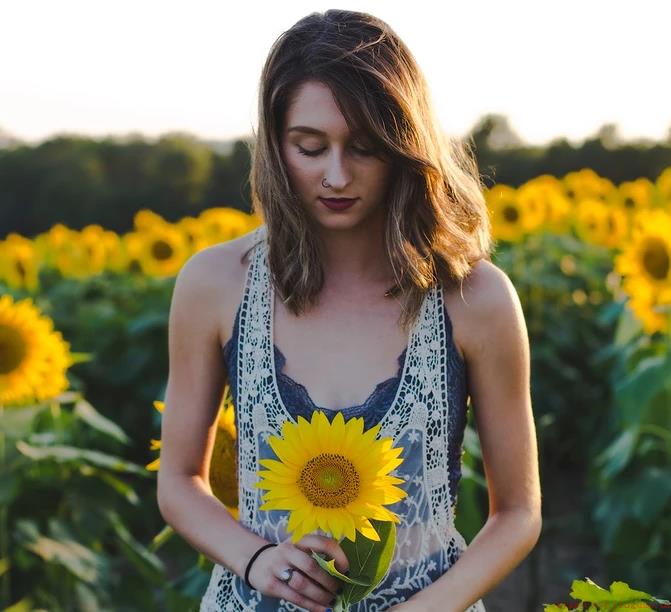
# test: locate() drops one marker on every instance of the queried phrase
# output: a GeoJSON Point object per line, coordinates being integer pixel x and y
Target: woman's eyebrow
{"type": "Point", "coordinates": [310, 130]}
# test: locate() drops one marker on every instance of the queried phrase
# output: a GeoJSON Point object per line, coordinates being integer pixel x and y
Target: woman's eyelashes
{"type": "Point", "coordinates": [309, 153]}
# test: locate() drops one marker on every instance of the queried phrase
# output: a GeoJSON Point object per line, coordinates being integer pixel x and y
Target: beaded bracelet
{"type": "Point", "coordinates": [249, 563]}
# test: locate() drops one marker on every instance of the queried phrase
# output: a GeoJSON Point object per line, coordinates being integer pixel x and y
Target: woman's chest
{"type": "Point", "coordinates": [340, 355]}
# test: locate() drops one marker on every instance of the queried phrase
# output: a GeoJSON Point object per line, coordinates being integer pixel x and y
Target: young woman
{"type": "Point", "coordinates": [372, 264]}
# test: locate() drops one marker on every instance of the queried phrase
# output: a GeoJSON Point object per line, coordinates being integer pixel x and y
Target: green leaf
{"type": "Point", "coordinates": [329, 566]}
{"type": "Point", "coordinates": [640, 387]}
{"type": "Point", "coordinates": [146, 562]}
{"type": "Point", "coordinates": [24, 605]}
{"type": "Point", "coordinates": [368, 560]}
{"type": "Point", "coordinates": [628, 327]}
{"type": "Point", "coordinates": [616, 456]}
{"type": "Point", "coordinates": [620, 592]}
{"type": "Point", "coordinates": [17, 422]}
{"type": "Point", "coordinates": [64, 550]}
{"type": "Point", "coordinates": [92, 417]}
{"type": "Point", "coordinates": [64, 454]}
{"type": "Point", "coordinates": [122, 488]}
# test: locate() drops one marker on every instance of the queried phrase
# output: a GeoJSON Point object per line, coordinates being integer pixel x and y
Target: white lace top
{"type": "Point", "coordinates": [428, 543]}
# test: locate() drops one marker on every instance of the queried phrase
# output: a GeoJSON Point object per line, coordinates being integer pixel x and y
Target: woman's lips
{"type": "Point", "coordinates": [338, 203]}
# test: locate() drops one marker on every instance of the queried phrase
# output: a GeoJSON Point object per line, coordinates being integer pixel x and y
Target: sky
{"type": "Point", "coordinates": [553, 68]}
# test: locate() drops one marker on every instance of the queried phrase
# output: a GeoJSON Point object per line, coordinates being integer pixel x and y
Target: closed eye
{"type": "Point", "coordinates": [317, 152]}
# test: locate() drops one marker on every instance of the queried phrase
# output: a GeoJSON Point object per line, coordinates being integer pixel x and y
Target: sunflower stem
{"type": "Point", "coordinates": [4, 531]}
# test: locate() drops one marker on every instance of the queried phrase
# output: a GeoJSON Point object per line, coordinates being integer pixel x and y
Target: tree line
{"type": "Point", "coordinates": [78, 181]}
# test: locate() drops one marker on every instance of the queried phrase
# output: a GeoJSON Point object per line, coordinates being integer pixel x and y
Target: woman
{"type": "Point", "coordinates": [376, 241]}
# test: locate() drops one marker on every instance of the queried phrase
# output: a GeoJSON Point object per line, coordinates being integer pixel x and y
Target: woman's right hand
{"type": "Point", "coordinates": [310, 586]}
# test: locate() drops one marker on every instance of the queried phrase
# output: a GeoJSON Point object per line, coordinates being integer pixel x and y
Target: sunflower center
{"type": "Point", "coordinates": [161, 250]}
{"type": "Point", "coordinates": [511, 214]}
{"type": "Point", "coordinates": [656, 258]}
{"type": "Point", "coordinates": [12, 349]}
{"type": "Point", "coordinates": [20, 269]}
{"type": "Point", "coordinates": [329, 481]}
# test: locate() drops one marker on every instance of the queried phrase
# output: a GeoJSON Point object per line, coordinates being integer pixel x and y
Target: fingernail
{"type": "Point", "coordinates": [329, 609]}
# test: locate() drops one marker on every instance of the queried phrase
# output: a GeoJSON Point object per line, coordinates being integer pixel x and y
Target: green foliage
{"type": "Point", "coordinates": [69, 512]}
{"type": "Point", "coordinates": [620, 597]}
{"type": "Point", "coordinates": [368, 560]}
{"type": "Point", "coordinates": [631, 489]}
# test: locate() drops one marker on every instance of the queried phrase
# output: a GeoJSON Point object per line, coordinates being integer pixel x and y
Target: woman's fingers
{"type": "Point", "coordinates": [302, 591]}
{"type": "Point", "coordinates": [309, 566]}
{"type": "Point", "coordinates": [329, 546]}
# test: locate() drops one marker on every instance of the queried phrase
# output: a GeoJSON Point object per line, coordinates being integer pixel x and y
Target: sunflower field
{"type": "Point", "coordinates": [83, 368]}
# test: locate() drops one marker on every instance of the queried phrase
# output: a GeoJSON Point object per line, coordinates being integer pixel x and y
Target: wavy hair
{"type": "Point", "coordinates": [437, 224]}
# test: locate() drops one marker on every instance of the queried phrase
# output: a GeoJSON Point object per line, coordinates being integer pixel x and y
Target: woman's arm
{"type": "Point", "coordinates": [196, 381]}
{"type": "Point", "coordinates": [497, 355]}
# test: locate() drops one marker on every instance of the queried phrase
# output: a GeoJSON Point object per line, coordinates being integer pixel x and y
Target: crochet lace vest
{"type": "Point", "coordinates": [428, 543]}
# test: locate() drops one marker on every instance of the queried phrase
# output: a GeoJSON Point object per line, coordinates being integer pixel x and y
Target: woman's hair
{"type": "Point", "coordinates": [437, 224]}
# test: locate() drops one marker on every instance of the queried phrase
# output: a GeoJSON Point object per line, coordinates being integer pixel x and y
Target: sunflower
{"type": "Point", "coordinates": [592, 221]}
{"type": "Point", "coordinates": [194, 231]}
{"type": "Point", "coordinates": [648, 255]}
{"type": "Point", "coordinates": [223, 468]}
{"type": "Point", "coordinates": [33, 356]}
{"type": "Point", "coordinates": [663, 184]}
{"type": "Point", "coordinates": [19, 262]}
{"type": "Point", "coordinates": [146, 219]}
{"type": "Point", "coordinates": [331, 476]}
{"type": "Point", "coordinates": [83, 254]}
{"type": "Point", "coordinates": [506, 213]}
{"type": "Point", "coordinates": [586, 183]}
{"type": "Point", "coordinates": [636, 195]}
{"type": "Point", "coordinates": [534, 202]}
{"type": "Point", "coordinates": [165, 248]}
{"type": "Point", "coordinates": [645, 265]}
{"type": "Point", "coordinates": [618, 227]}
{"type": "Point", "coordinates": [220, 224]}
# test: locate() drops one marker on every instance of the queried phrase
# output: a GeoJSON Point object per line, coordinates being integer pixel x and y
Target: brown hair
{"type": "Point", "coordinates": [437, 224]}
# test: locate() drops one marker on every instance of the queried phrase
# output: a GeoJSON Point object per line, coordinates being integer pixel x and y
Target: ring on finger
{"type": "Point", "coordinates": [286, 574]}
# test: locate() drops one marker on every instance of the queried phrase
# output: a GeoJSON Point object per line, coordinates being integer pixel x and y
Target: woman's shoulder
{"type": "Point", "coordinates": [484, 299]}
{"type": "Point", "coordinates": [216, 277]}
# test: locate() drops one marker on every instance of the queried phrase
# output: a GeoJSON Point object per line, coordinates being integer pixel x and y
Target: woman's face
{"type": "Point", "coordinates": [324, 148]}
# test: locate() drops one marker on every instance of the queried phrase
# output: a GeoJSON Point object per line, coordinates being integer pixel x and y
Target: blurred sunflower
{"type": "Point", "coordinates": [635, 195]}
{"type": "Point", "coordinates": [505, 212]}
{"type": "Point", "coordinates": [33, 356]}
{"type": "Point", "coordinates": [558, 208]}
{"type": "Point", "coordinates": [591, 221]}
{"type": "Point", "coordinates": [586, 183]}
{"type": "Point", "coordinates": [49, 243]}
{"type": "Point", "coordinates": [331, 476]}
{"type": "Point", "coordinates": [83, 254]}
{"type": "Point", "coordinates": [618, 227]}
{"type": "Point", "coordinates": [221, 224]}
{"type": "Point", "coordinates": [663, 184]}
{"type": "Point", "coordinates": [534, 202]}
{"type": "Point", "coordinates": [194, 231]}
{"type": "Point", "coordinates": [146, 219]}
{"type": "Point", "coordinates": [223, 472]}
{"type": "Point", "coordinates": [127, 257]}
{"type": "Point", "coordinates": [164, 249]}
{"type": "Point", "coordinates": [19, 262]}
{"type": "Point", "coordinates": [645, 265]}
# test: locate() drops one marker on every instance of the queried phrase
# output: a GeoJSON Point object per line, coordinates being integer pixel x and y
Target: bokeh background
{"type": "Point", "coordinates": [125, 134]}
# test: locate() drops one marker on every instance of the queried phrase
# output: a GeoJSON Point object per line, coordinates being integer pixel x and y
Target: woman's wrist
{"type": "Point", "coordinates": [251, 546]}
{"type": "Point", "coordinates": [252, 559]}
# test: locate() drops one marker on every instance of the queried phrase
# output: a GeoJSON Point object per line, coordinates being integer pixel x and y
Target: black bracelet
{"type": "Point", "coordinates": [249, 563]}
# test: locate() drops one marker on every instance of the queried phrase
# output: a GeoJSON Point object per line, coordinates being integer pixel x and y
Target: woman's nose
{"type": "Point", "coordinates": [337, 174]}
